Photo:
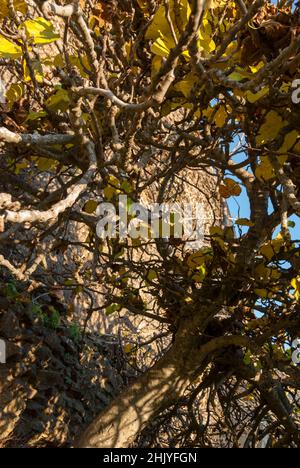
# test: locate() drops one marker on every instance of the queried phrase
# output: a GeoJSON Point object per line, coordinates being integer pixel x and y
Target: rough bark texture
{"type": "Point", "coordinates": [120, 423]}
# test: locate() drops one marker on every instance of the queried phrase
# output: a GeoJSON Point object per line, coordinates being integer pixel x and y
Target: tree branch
{"type": "Point", "coordinates": [33, 216]}
{"type": "Point", "coordinates": [34, 139]}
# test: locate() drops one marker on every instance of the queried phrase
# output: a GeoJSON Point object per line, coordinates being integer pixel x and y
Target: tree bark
{"type": "Point", "coordinates": [163, 384]}
{"type": "Point", "coordinates": [119, 424]}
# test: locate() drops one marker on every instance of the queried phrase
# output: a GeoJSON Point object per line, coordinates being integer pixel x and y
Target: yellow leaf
{"type": "Point", "coordinates": [238, 75]}
{"type": "Point", "coordinates": [186, 86]}
{"type": "Point", "coordinates": [289, 141]}
{"type": "Point", "coordinates": [220, 117]}
{"type": "Point", "coordinates": [216, 4]}
{"type": "Point", "coordinates": [207, 44]}
{"type": "Point", "coordinates": [159, 30]}
{"type": "Point", "coordinates": [267, 251]}
{"type": "Point", "coordinates": [253, 97]}
{"type": "Point", "coordinates": [81, 63]}
{"type": "Point", "coordinates": [267, 274]}
{"type": "Point", "coordinates": [114, 181]}
{"type": "Point", "coordinates": [156, 65]}
{"type": "Point", "coordinates": [270, 128]}
{"type": "Point", "coordinates": [21, 166]}
{"type": "Point", "coordinates": [96, 20]}
{"type": "Point", "coordinates": [263, 293]}
{"type": "Point", "coordinates": [208, 113]}
{"type": "Point", "coordinates": [45, 164]}
{"type": "Point", "coordinates": [230, 188]}
{"type": "Point", "coordinates": [179, 11]}
{"type": "Point", "coordinates": [14, 93]}
{"type": "Point", "coordinates": [113, 308]}
{"type": "Point", "coordinates": [216, 231]}
{"type": "Point", "coordinates": [143, 4]}
{"type": "Point", "coordinates": [188, 300]}
{"type": "Point", "coordinates": [170, 106]}
{"type": "Point", "coordinates": [9, 49]}
{"type": "Point", "coordinates": [109, 192]}
{"type": "Point", "coordinates": [217, 235]}
{"type": "Point", "coordinates": [40, 31]}
{"type": "Point", "coordinates": [265, 170]}
{"type": "Point", "coordinates": [160, 48]}
{"type": "Point", "coordinates": [295, 283]}
{"type": "Point", "coordinates": [256, 68]}
{"type": "Point", "coordinates": [201, 257]}
{"type": "Point", "coordinates": [112, 188]}
{"type": "Point", "coordinates": [128, 348]}
{"type": "Point", "coordinates": [126, 187]}
{"type": "Point", "coordinates": [37, 68]}
{"type": "Point", "coordinates": [32, 116]}
{"type": "Point", "coordinates": [19, 5]}
{"type": "Point", "coordinates": [273, 247]}
{"type": "Point", "coordinates": [195, 260]}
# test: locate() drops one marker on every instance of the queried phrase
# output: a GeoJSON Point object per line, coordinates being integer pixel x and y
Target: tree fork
{"type": "Point", "coordinates": [119, 424]}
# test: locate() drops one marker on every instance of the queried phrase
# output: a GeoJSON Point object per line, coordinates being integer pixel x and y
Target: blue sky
{"type": "Point", "coordinates": [239, 208]}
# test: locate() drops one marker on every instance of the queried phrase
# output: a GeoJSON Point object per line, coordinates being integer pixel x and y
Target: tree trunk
{"type": "Point", "coordinates": [119, 424]}
{"type": "Point", "coordinates": [163, 384]}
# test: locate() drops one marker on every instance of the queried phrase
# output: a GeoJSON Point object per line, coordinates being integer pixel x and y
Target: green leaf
{"type": "Point", "coordinates": [113, 308]}
{"type": "Point", "coordinates": [32, 116]}
{"type": "Point", "coordinates": [53, 321]}
{"type": "Point", "coordinates": [126, 186]}
{"type": "Point", "coordinates": [291, 224]}
{"type": "Point", "coordinates": [11, 290]}
{"type": "Point", "coordinates": [244, 222]}
{"type": "Point", "coordinates": [59, 101]}
{"type": "Point", "coordinates": [152, 275]}
{"type": "Point", "coordinates": [248, 358]}
{"type": "Point", "coordinates": [201, 274]}
{"type": "Point", "coordinates": [40, 31]}
{"type": "Point", "coordinates": [90, 206]}
{"type": "Point", "coordinates": [36, 309]}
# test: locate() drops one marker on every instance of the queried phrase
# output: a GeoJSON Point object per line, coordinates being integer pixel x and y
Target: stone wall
{"type": "Point", "coordinates": [53, 382]}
